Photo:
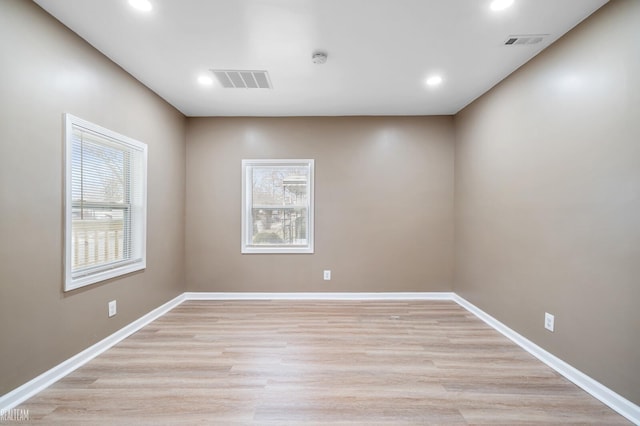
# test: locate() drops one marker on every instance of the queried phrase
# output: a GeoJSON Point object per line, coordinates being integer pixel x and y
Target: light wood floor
{"type": "Point", "coordinates": [292, 362]}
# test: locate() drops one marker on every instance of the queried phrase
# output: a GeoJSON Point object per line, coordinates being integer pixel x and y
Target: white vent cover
{"type": "Point", "coordinates": [520, 40]}
{"type": "Point", "coordinates": [243, 79]}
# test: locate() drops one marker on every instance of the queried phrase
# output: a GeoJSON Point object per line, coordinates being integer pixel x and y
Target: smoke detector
{"type": "Point", "coordinates": [319, 58]}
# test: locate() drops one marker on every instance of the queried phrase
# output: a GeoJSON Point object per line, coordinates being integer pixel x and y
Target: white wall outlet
{"type": "Point", "coordinates": [549, 321]}
{"type": "Point", "coordinates": [327, 275]}
{"type": "Point", "coordinates": [113, 309]}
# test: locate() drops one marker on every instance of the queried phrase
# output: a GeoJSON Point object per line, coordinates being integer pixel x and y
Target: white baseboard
{"type": "Point", "coordinates": [320, 296]}
{"type": "Point", "coordinates": [46, 379]}
{"type": "Point", "coordinates": [616, 402]}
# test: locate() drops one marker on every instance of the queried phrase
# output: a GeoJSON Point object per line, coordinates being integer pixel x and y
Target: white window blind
{"type": "Point", "coordinates": [105, 232]}
{"type": "Point", "coordinates": [277, 206]}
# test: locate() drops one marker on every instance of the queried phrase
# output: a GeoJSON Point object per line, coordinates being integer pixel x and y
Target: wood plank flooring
{"type": "Point", "coordinates": [324, 362]}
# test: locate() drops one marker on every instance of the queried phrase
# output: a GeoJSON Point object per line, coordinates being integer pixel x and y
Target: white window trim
{"type": "Point", "coordinates": [72, 283]}
{"type": "Point", "coordinates": [247, 204]}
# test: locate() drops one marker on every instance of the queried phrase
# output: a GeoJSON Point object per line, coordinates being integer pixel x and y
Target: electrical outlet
{"type": "Point", "coordinates": [549, 321]}
{"type": "Point", "coordinates": [113, 309]}
{"type": "Point", "coordinates": [327, 275]}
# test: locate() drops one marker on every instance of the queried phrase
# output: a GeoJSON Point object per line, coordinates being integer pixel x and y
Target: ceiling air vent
{"type": "Point", "coordinates": [243, 79]}
{"type": "Point", "coordinates": [522, 40]}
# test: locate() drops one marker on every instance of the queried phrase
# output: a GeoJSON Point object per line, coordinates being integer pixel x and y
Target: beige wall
{"type": "Point", "coordinates": [47, 71]}
{"type": "Point", "coordinates": [548, 199]}
{"type": "Point", "coordinates": [383, 194]}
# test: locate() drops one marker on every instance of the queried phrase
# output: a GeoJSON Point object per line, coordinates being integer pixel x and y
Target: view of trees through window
{"type": "Point", "coordinates": [100, 206]}
{"type": "Point", "coordinates": [279, 210]}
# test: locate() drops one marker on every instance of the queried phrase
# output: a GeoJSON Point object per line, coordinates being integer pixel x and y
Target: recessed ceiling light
{"type": "Point", "coordinates": [205, 80]}
{"type": "Point", "coordinates": [434, 80]}
{"type": "Point", "coordinates": [143, 5]}
{"type": "Point", "coordinates": [500, 4]}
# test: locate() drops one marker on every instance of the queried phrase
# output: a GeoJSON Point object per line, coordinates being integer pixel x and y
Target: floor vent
{"type": "Point", "coordinates": [523, 40]}
{"type": "Point", "coordinates": [243, 79]}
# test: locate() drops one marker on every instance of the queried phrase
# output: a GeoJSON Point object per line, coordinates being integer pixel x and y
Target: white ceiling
{"type": "Point", "coordinates": [379, 51]}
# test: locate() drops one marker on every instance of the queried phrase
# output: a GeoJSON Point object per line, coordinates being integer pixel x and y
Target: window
{"type": "Point", "coordinates": [277, 206]}
{"type": "Point", "coordinates": [105, 204]}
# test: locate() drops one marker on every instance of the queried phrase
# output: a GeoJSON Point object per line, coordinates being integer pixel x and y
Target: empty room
{"type": "Point", "coordinates": [319, 212]}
